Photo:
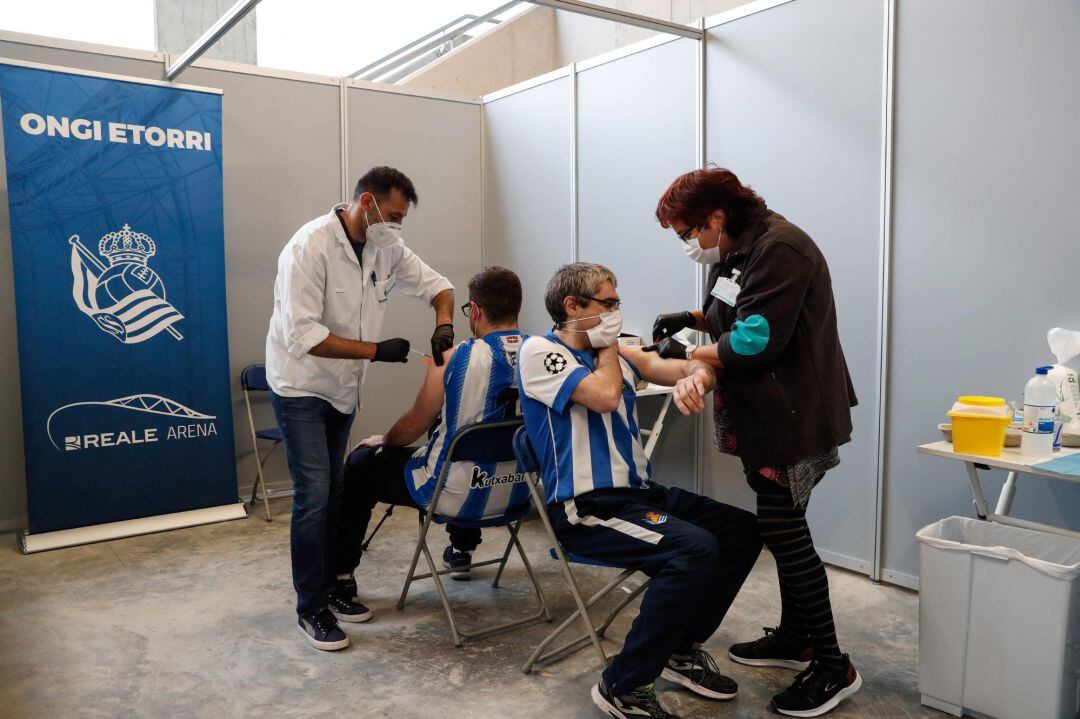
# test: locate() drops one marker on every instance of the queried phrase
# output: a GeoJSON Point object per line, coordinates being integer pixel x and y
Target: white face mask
{"type": "Point", "coordinates": [604, 334]}
{"type": "Point", "coordinates": [383, 235]}
{"type": "Point", "coordinates": [697, 253]}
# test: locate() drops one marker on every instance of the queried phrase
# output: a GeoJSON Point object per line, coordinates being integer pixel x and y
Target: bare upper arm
{"type": "Point", "coordinates": [429, 399]}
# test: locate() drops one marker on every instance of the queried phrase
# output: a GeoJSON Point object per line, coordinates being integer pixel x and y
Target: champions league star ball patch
{"type": "Point", "coordinates": [655, 518]}
{"type": "Point", "coordinates": [554, 362]}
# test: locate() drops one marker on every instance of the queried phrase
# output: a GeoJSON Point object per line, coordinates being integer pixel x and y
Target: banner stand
{"type": "Point", "coordinates": [116, 210]}
{"type": "Point", "coordinates": [31, 543]}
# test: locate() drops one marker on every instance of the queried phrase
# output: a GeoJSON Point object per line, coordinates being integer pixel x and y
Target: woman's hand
{"type": "Point", "coordinates": [667, 325]}
{"type": "Point", "coordinates": [373, 441]}
{"type": "Point", "coordinates": [670, 348]}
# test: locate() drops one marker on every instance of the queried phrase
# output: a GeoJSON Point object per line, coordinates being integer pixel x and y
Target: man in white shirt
{"type": "Point", "coordinates": [334, 278]}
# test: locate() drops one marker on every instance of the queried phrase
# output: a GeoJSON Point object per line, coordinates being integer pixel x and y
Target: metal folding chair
{"type": "Point", "coordinates": [488, 442]}
{"type": "Point", "coordinates": [253, 379]}
{"type": "Point", "coordinates": [527, 461]}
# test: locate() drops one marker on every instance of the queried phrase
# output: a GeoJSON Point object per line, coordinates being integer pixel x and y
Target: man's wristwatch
{"type": "Point", "coordinates": [690, 351]}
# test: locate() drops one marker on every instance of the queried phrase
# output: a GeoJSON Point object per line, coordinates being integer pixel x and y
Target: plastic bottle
{"type": "Point", "coordinates": [1040, 409]}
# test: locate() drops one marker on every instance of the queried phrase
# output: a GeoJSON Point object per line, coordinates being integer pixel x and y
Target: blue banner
{"type": "Point", "coordinates": [115, 196]}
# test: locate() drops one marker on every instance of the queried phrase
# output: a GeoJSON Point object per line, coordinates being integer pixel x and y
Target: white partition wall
{"type": "Point", "coordinates": [282, 151]}
{"type": "Point", "coordinates": [793, 107]}
{"type": "Point", "coordinates": [986, 246]}
{"type": "Point", "coordinates": [636, 132]}
{"type": "Point", "coordinates": [437, 144]}
{"type": "Point", "coordinates": [528, 198]}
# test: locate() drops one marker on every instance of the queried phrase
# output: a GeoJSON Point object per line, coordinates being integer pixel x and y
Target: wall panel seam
{"type": "Point", "coordinates": [343, 101]}
{"type": "Point", "coordinates": [573, 163]}
{"type": "Point", "coordinates": [884, 285]}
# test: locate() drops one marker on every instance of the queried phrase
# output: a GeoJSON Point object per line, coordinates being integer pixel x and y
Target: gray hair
{"type": "Point", "coordinates": [580, 279]}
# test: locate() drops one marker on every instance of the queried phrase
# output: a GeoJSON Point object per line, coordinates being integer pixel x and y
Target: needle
{"type": "Point", "coordinates": [418, 352]}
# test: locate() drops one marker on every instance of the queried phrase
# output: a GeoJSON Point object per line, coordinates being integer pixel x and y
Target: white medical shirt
{"type": "Point", "coordinates": [322, 289]}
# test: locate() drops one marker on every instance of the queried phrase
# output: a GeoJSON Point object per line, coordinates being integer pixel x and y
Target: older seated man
{"type": "Point", "coordinates": [578, 400]}
{"type": "Point", "coordinates": [471, 386]}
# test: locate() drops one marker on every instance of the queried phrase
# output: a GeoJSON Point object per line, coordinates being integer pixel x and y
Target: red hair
{"type": "Point", "coordinates": [692, 197]}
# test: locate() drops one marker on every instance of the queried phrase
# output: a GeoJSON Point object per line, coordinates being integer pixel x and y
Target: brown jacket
{"type": "Point", "coordinates": [788, 391]}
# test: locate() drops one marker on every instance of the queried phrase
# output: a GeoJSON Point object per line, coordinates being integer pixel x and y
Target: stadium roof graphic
{"type": "Point", "coordinates": [149, 403]}
{"type": "Point", "coordinates": [156, 404]}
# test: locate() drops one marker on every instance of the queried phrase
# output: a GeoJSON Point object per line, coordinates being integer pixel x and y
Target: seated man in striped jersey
{"type": "Point", "coordinates": [475, 383]}
{"type": "Point", "coordinates": [578, 400]}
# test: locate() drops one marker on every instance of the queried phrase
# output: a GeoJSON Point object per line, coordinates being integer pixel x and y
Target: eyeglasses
{"type": "Point", "coordinates": [685, 234]}
{"type": "Point", "coordinates": [466, 309]}
{"type": "Point", "coordinates": [612, 305]}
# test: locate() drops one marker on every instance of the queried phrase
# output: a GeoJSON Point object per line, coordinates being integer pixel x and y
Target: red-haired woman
{"type": "Point", "coordinates": [783, 405]}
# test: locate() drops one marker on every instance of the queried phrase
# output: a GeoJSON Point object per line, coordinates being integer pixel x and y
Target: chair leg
{"type": "Point", "coordinates": [540, 655]}
{"type": "Point", "coordinates": [506, 554]}
{"type": "Point", "coordinates": [412, 567]}
{"type": "Point", "coordinates": [541, 509]}
{"type": "Point", "coordinates": [458, 641]}
{"type": "Point", "coordinates": [386, 515]}
{"type": "Point", "coordinates": [259, 459]}
{"type": "Point", "coordinates": [631, 596]}
{"type": "Point", "coordinates": [262, 483]}
{"type": "Point", "coordinates": [459, 634]}
{"type": "Point", "coordinates": [516, 541]}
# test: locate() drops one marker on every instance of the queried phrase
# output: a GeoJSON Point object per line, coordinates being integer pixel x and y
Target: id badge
{"type": "Point", "coordinates": [726, 290]}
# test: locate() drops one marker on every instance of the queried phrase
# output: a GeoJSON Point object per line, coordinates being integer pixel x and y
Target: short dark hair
{"type": "Point", "coordinates": [497, 291]}
{"type": "Point", "coordinates": [379, 181]}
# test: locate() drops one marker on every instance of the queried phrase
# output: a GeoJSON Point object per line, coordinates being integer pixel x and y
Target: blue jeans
{"type": "Point", "coordinates": [316, 438]}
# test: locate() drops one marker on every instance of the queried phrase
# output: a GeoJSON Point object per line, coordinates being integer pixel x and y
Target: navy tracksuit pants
{"type": "Point", "coordinates": [697, 551]}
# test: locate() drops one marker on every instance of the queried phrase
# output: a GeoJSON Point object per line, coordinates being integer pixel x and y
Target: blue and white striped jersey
{"type": "Point", "coordinates": [478, 373]}
{"type": "Point", "coordinates": [579, 450]}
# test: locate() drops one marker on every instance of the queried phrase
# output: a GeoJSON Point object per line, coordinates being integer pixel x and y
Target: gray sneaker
{"type": "Point", "coordinates": [321, 630]}
{"type": "Point", "coordinates": [641, 702]}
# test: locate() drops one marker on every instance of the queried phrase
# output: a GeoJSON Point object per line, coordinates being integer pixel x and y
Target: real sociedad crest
{"type": "Point", "coordinates": [126, 299]}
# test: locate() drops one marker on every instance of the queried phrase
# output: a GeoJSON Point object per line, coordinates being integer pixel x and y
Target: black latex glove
{"type": "Point", "coordinates": [670, 348]}
{"type": "Point", "coordinates": [441, 340]}
{"type": "Point", "coordinates": [395, 350]}
{"type": "Point", "coordinates": [667, 325]}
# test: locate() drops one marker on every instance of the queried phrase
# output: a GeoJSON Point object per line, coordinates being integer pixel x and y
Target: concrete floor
{"type": "Point", "coordinates": [200, 623]}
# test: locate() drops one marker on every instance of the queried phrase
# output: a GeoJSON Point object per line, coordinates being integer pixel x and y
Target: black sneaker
{"type": "Point", "coordinates": [343, 604]}
{"type": "Point", "coordinates": [641, 702]}
{"type": "Point", "coordinates": [322, 630]}
{"type": "Point", "coordinates": [698, 672]}
{"type": "Point", "coordinates": [458, 562]}
{"type": "Point", "coordinates": [772, 650]}
{"type": "Point", "coordinates": [818, 690]}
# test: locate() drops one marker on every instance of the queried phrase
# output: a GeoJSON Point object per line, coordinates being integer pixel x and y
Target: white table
{"type": "Point", "coordinates": [1015, 463]}
{"type": "Point", "coordinates": [653, 390]}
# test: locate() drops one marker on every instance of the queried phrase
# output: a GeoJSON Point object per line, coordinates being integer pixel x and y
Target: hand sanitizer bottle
{"type": "Point", "coordinates": [1040, 410]}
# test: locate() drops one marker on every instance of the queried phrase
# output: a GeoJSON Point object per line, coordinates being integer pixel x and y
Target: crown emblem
{"type": "Point", "coordinates": [126, 246]}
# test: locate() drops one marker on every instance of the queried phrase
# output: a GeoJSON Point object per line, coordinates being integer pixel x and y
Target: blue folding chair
{"type": "Point", "coordinates": [253, 379]}
{"type": "Point", "coordinates": [528, 463]}
{"type": "Point", "coordinates": [477, 442]}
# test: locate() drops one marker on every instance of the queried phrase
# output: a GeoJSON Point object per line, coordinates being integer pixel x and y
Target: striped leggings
{"type": "Point", "coordinates": [806, 612]}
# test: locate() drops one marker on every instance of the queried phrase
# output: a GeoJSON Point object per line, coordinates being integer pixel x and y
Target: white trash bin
{"type": "Point", "coordinates": [999, 616]}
